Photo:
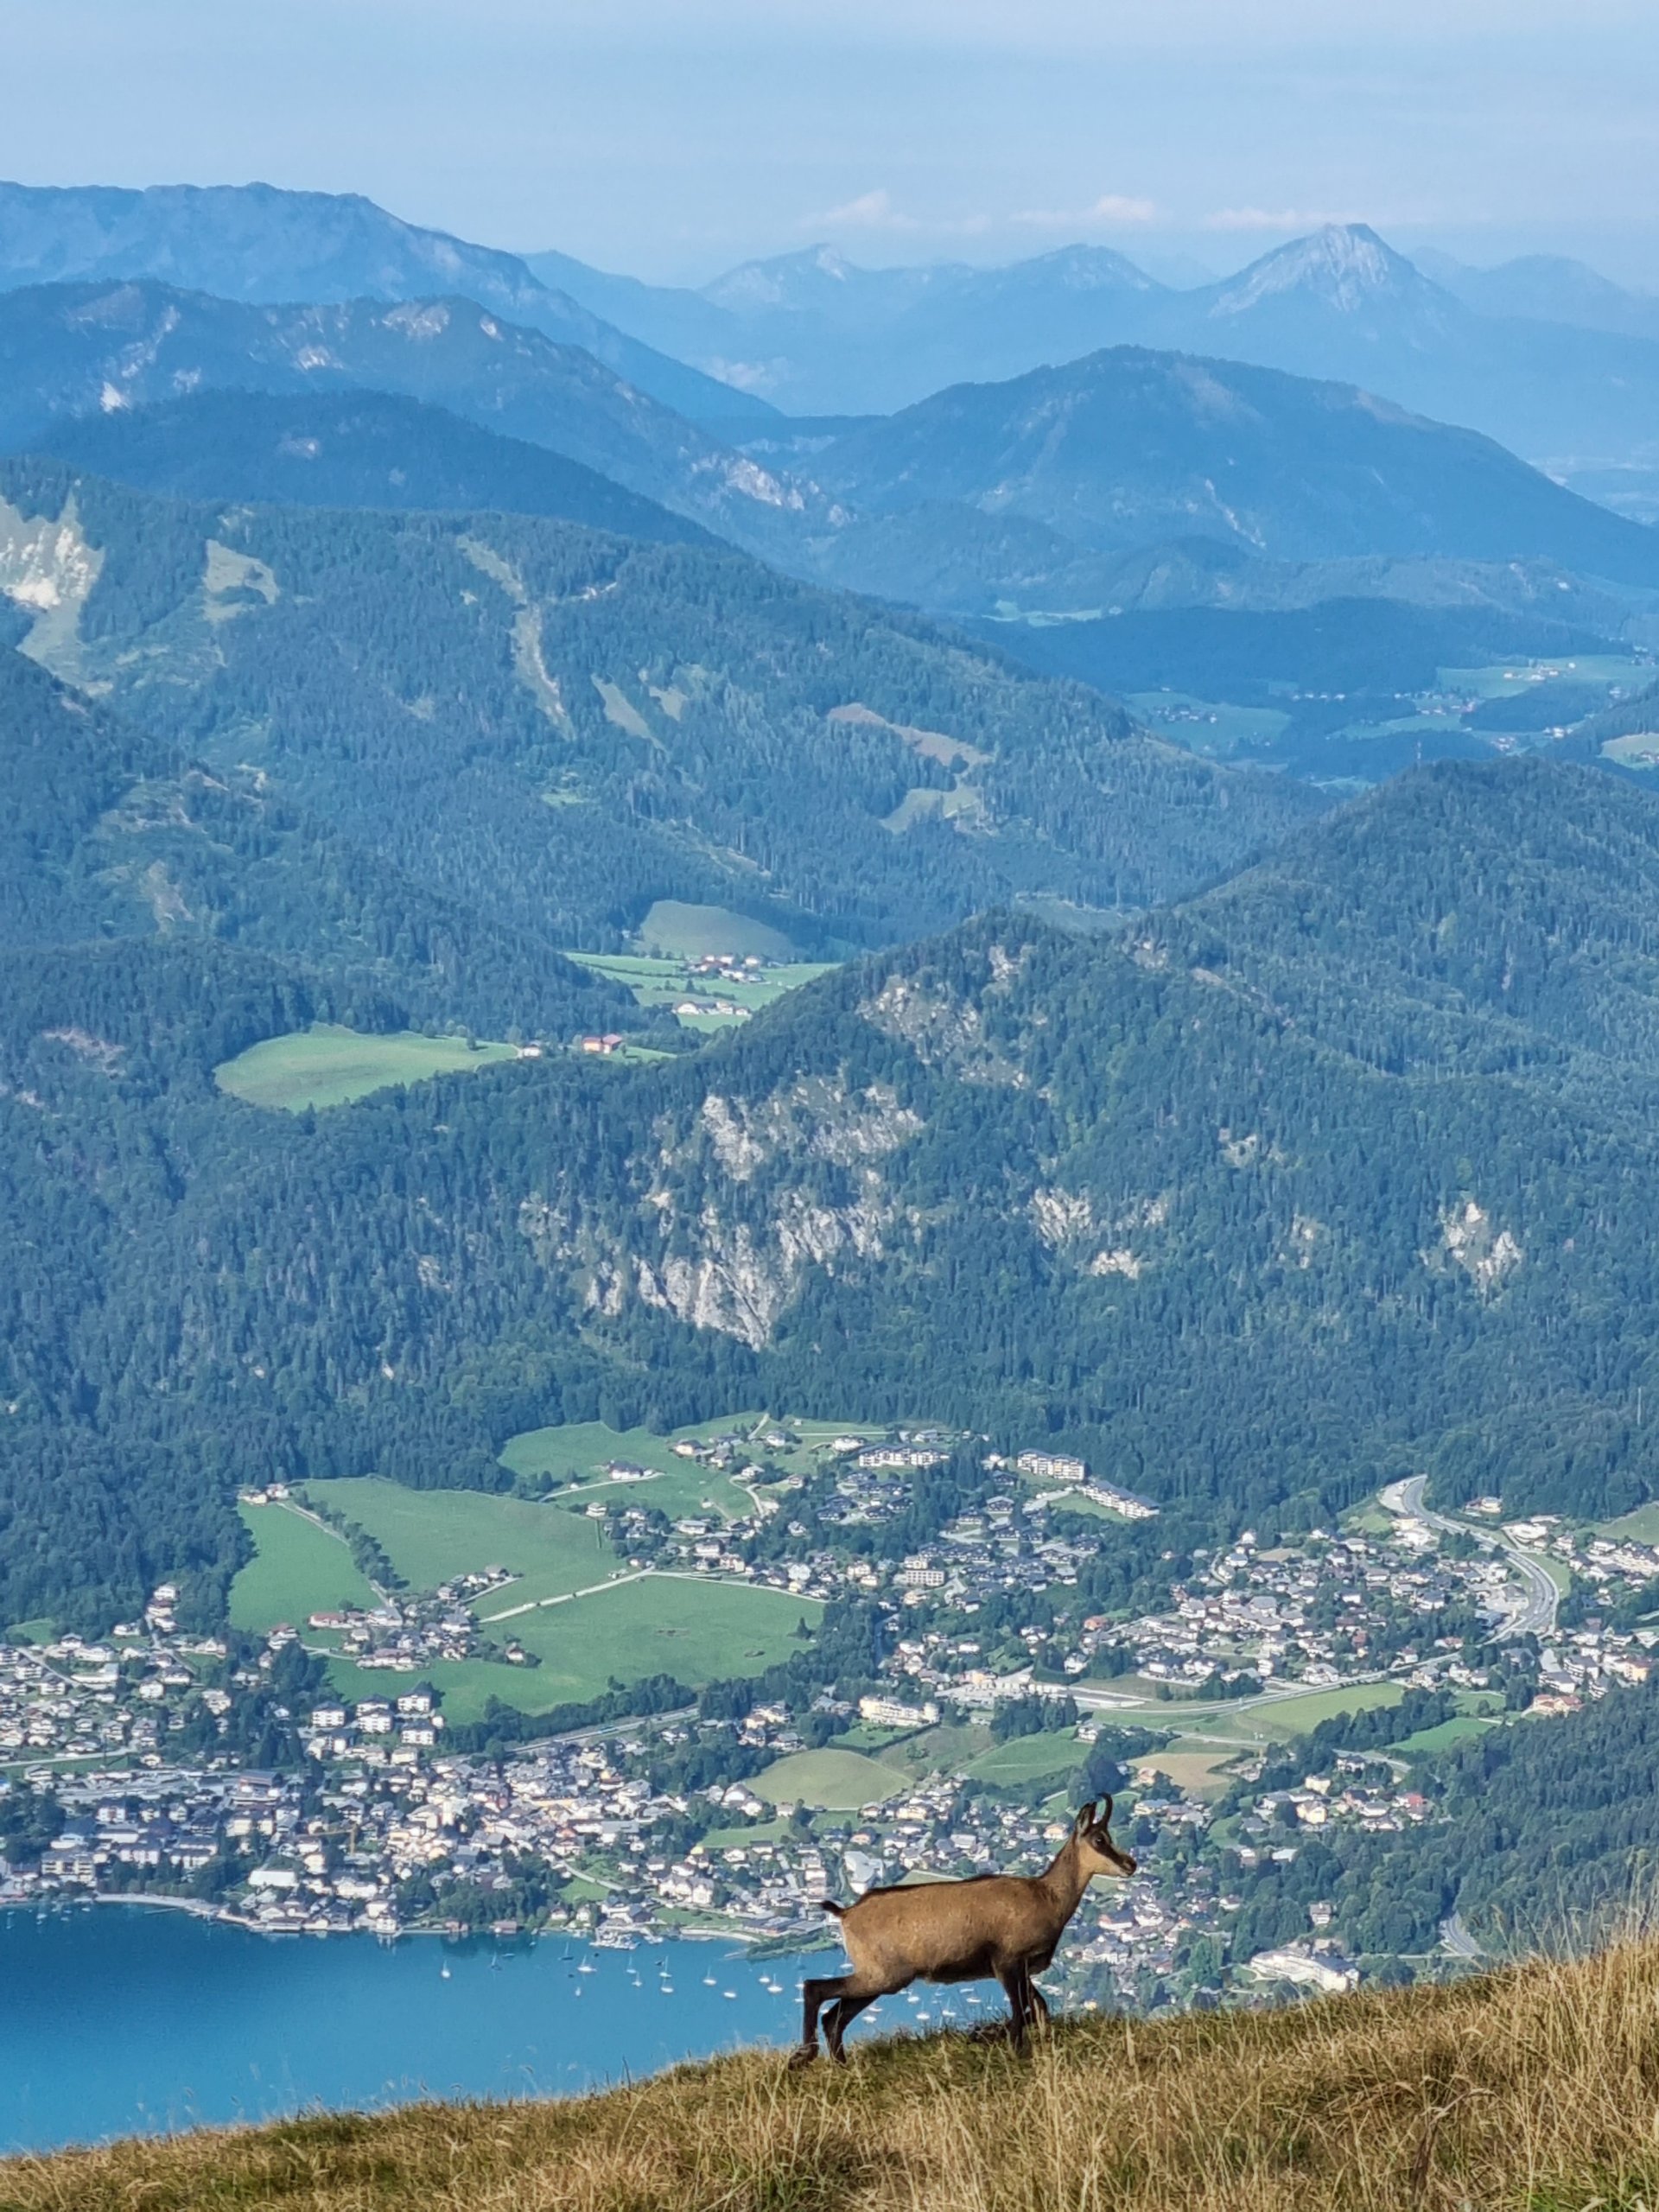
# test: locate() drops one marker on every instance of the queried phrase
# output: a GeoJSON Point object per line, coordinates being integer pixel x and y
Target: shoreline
{"type": "Point", "coordinates": [746, 1945]}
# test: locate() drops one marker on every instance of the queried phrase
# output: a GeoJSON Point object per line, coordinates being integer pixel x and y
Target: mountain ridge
{"type": "Point", "coordinates": [268, 246]}
{"type": "Point", "coordinates": [1331, 1174]}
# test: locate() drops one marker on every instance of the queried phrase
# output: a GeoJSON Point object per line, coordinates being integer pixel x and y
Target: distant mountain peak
{"type": "Point", "coordinates": [1091, 269]}
{"type": "Point", "coordinates": [757, 284]}
{"type": "Point", "coordinates": [1346, 266]}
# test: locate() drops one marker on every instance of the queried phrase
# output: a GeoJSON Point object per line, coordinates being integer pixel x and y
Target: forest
{"type": "Point", "coordinates": [1335, 1173]}
{"type": "Point", "coordinates": [554, 728]}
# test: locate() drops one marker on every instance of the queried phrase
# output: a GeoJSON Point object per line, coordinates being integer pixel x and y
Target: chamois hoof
{"type": "Point", "coordinates": [803, 2055]}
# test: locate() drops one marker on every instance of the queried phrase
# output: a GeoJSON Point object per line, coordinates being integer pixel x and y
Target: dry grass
{"type": "Point", "coordinates": [1538, 2088]}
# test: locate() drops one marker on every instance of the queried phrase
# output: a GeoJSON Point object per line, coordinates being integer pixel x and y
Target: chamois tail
{"type": "Point", "coordinates": [828, 1904]}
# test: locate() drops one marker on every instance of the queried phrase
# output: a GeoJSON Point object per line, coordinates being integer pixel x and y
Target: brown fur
{"type": "Point", "coordinates": [1002, 1926]}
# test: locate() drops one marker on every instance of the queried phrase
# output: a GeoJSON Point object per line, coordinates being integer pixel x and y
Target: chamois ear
{"type": "Point", "coordinates": [1085, 1820]}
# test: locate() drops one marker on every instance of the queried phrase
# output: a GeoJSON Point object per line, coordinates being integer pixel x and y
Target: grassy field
{"type": "Point", "coordinates": [1295, 1716]}
{"type": "Point", "coordinates": [1458, 1730]}
{"type": "Point", "coordinates": [431, 1535]}
{"type": "Point", "coordinates": [1210, 726]}
{"type": "Point", "coordinates": [655, 1624]}
{"type": "Point", "coordinates": [1192, 1767]}
{"type": "Point", "coordinates": [688, 932]}
{"type": "Point", "coordinates": [577, 1453]}
{"type": "Point", "coordinates": [832, 1780]}
{"type": "Point", "coordinates": [694, 1629]}
{"type": "Point", "coordinates": [1507, 679]}
{"type": "Point", "coordinates": [1529, 2091]}
{"type": "Point", "coordinates": [1641, 1526]}
{"type": "Point", "coordinates": [330, 1066]}
{"type": "Point", "coordinates": [297, 1569]}
{"type": "Point", "coordinates": [1639, 750]}
{"type": "Point", "coordinates": [657, 980]}
{"type": "Point", "coordinates": [1029, 1759]}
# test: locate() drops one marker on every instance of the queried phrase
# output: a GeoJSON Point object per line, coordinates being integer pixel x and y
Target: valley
{"type": "Point", "coordinates": [739, 1148]}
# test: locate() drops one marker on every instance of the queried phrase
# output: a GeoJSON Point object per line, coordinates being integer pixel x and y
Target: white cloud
{"type": "Point", "coordinates": [1280, 219]}
{"type": "Point", "coordinates": [874, 211]}
{"type": "Point", "coordinates": [1113, 211]}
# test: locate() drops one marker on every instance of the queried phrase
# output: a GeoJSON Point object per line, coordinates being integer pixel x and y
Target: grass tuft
{"type": "Point", "coordinates": [1534, 2090]}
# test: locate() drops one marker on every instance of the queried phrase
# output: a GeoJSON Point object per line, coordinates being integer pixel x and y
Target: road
{"type": "Point", "coordinates": [1181, 1709]}
{"type": "Point", "coordinates": [1537, 1614]}
{"type": "Point", "coordinates": [1456, 1938]}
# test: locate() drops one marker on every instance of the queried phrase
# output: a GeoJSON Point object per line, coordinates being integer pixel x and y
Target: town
{"type": "Point", "coordinates": [223, 1774]}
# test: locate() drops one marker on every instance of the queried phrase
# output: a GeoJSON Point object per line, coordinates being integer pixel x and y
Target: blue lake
{"type": "Point", "coordinates": [115, 2021]}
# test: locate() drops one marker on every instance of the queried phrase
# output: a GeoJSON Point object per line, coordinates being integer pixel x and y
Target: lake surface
{"type": "Point", "coordinates": [115, 2021]}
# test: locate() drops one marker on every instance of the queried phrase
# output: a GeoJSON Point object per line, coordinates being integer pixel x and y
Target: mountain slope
{"type": "Point", "coordinates": [1129, 448]}
{"type": "Point", "coordinates": [83, 349]}
{"type": "Point", "coordinates": [1548, 287]}
{"type": "Point", "coordinates": [557, 729]}
{"type": "Point", "coordinates": [1343, 304]}
{"type": "Point", "coordinates": [109, 834]}
{"type": "Point", "coordinates": [348, 450]}
{"type": "Point", "coordinates": [257, 243]}
{"type": "Point", "coordinates": [1528, 2087]}
{"type": "Point", "coordinates": [1338, 1173]}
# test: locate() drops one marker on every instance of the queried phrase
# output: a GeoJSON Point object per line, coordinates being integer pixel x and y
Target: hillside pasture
{"type": "Point", "coordinates": [1049, 1754]}
{"type": "Point", "coordinates": [829, 1781]}
{"type": "Point", "coordinates": [574, 1456]}
{"type": "Point", "coordinates": [297, 1569]}
{"type": "Point", "coordinates": [677, 928]}
{"type": "Point", "coordinates": [431, 1535]}
{"type": "Point", "coordinates": [696, 1629]}
{"type": "Point", "coordinates": [330, 1066]}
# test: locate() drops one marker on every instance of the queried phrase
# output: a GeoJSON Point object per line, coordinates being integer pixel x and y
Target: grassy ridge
{"type": "Point", "coordinates": [1531, 2090]}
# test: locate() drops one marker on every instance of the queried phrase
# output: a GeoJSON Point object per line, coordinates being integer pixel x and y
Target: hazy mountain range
{"type": "Point", "coordinates": [980, 495]}
{"type": "Point", "coordinates": [819, 335]}
{"type": "Point", "coordinates": [256, 242]}
{"type": "Point", "coordinates": [84, 349]}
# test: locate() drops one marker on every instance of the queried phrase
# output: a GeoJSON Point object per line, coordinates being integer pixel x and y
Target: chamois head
{"type": "Point", "coordinates": [1093, 1833]}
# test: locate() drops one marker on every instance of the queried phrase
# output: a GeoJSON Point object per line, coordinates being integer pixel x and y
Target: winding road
{"type": "Point", "coordinates": [1537, 1614]}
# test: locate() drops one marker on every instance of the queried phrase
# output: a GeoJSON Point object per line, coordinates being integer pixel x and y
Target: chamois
{"type": "Point", "coordinates": [1006, 1925]}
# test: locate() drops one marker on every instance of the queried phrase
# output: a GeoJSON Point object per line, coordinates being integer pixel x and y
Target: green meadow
{"type": "Point", "coordinates": [675, 927]}
{"type": "Point", "coordinates": [297, 1569]}
{"type": "Point", "coordinates": [829, 1780]}
{"type": "Point", "coordinates": [430, 1535]}
{"type": "Point", "coordinates": [1029, 1759]}
{"type": "Point", "coordinates": [330, 1066]}
{"type": "Point", "coordinates": [697, 1631]}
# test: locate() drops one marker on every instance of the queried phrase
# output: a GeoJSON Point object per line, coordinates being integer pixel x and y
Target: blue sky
{"type": "Point", "coordinates": [673, 137]}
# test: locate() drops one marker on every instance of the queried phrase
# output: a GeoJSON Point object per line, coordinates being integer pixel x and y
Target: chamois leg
{"type": "Point", "coordinates": [857, 1993]}
{"type": "Point", "coordinates": [1016, 1988]}
{"type": "Point", "coordinates": [1038, 2002]}
{"type": "Point", "coordinates": [814, 1995]}
{"type": "Point", "coordinates": [841, 2017]}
